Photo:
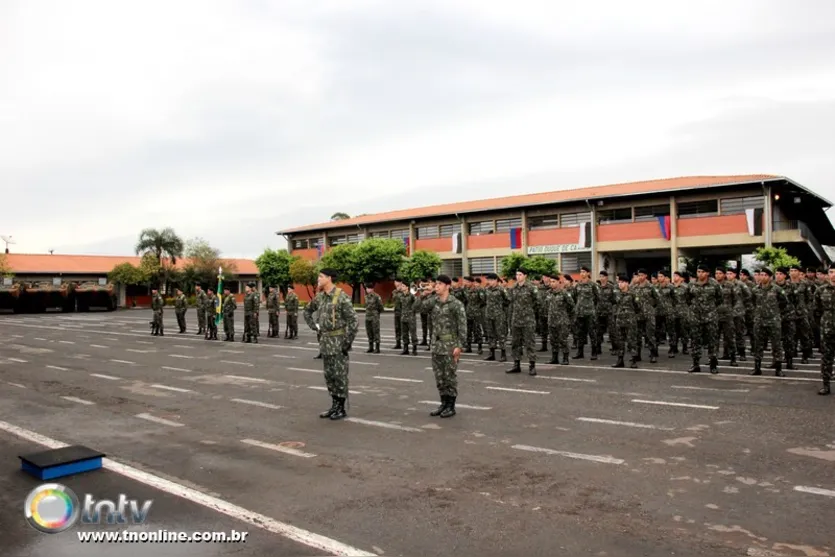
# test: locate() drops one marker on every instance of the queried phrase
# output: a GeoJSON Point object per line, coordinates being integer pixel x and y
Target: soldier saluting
{"type": "Point", "coordinates": [336, 323]}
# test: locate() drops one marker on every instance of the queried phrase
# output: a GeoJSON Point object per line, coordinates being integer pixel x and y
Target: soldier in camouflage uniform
{"type": "Point", "coordinates": [745, 280]}
{"type": "Point", "coordinates": [664, 311]}
{"type": "Point", "coordinates": [523, 323]}
{"type": "Point", "coordinates": [408, 321]}
{"type": "Point", "coordinates": [726, 317]}
{"type": "Point", "coordinates": [770, 302]}
{"type": "Point", "coordinates": [397, 302]}
{"type": "Point", "coordinates": [825, 307]}
{"type": "Point", "coordinates": [742, 298]}
{"type": "Point", "coordinates": [561, 314]}
{"type": "Point", "coordinates": [431, 299]}
{"type": "Point", "coordinates": [180, 307]}
{"type": "Point", "coordinates": [587, 296]}
{"type": "Point", "coordinates": [647, 297]}
{"type": "Point", "coordinates": [273, 304]}
{"type": "Point", "coordinates": [804, 308]}
{"type": "Point", "coordinates": [249, 315]}
{"type": "Point", "coordinates": [789, 316]}
{"type": "Point", "coordinates": [604, 311]}
{"type": "Point", "coordinates": [474, 314]}
{"type": "Point", "coordinates": [373, 309]}
{"type": "Point", "coordinates": [424, 313]}
{"type": "Point", "coordinates": [679, 321]}
{"type": "Point", "coordinates": [814, 316]}
{"type": "Point", "coordinates": [157, 303]}
{"type": "Point", "coordinates": [291, 308]}
{"type": "Point", "coordinates": [450, 334]}
{"type": "Point", "coordinates": [542, 293]}
{"type": "Point", "coordinates": [495, 314]}
{"type": "Point", "coordinates": [336, 320]}
{"type": "Point", "coordinates": [229, 307]}
{"type": "Point", "coordinates": [625, 316]}
{"type": "Point", "coordinates": [201, 309]}
{"type": "Point", "coordinates": [211, 315]}
{"type": "Point", "coordinates": [705, 297]}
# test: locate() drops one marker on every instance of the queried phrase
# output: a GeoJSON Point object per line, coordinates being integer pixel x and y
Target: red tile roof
{"type": "Point", "coordinates": [92, 264]}
{"type": "Point", "coordinates": [563, 196]}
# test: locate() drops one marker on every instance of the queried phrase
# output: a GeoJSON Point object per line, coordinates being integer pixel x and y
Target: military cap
{"type": "Point", "coordinates": [679, 273]}
{"type": "Point", "coordinates": [252, 285]}
{"type": "Point", "coordinates": [731, 270]}
{"type": "Point", "coordinates": [569, 278]}
{"type": "Point", "coordinates": [642, 271]}
{"type": "Point", "coordinates": [832, 266]}
{"type": "Point", "coordinates": [469, 278]}
{"type": "Point", "coordinates": [586, 269]}
{"type": "Point", "coordinates": [369, 285]}
{"type": "Point", "coordinates": [745, 272]}
{"type": "Point", "coordinates": [521, 270]}
{"type": "Point", "coordinates": [622, 277]}
{"type": "Point", "coordinates": [767, 271]}
{"type": "Point", "coordinates": [478, 280]}
{"type": "Point", "coordinates": [290, 287]}
{"type": "Point", "coordinates": [811, 270]}
{"type": "Point", "coordinates": [328, 272]}
{"type": "Point", "coordinates": [720, 268]}
{"type": "Point", "coordinates": [453, 280]}
{"type": "Point", "coordinates": [492, 276]}
{"type": "Point", "coordinates": [783, 270]}
{"type": "Point", "coordinates": [654, 275]}
{"type": "Point", "coordinates": [444, 279]}
{"type": "Point", "coordinates": [603, 274]}
{"type": "Point", "coordinates": [703, 267]}
{"type": "Point", "coordinates": [796, 268]}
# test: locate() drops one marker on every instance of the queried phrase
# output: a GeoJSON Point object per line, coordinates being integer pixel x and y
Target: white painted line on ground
{"type": "Point", "coordinates": [66, 342]}
{"type": "Point", "coordinates": [78, 400]}
{"type": "Point", "coordinates": [162, 421]}
{"type": "Point", "coordinates": [98, 346]}
{"type": "Point", "coordinates": [815, 490]}
{"type": "Point", "coordinates": [398, 379]}
{"type": "Point", "coordinates": [679, 404]}
{"type": "Point", "coordinates": [138, 351]}
{"type": "Point", "coordinates": [102, 376]}
{"type": "Point", "coordinates": [593, 458]}
{"type": "Point", "coordinates": [141, 342]}
{"type": "Point", "coordinates": [558, 378]}
{"type": "Point", "coordinates": [284, 356]}
{"type": "Point", "coordinates": [57, 368]}
{"type": "Point", "coordinates": [709, 389]}
{"type": "Point", "coordinates": [278, 448]}
{"type": "Point", "coordinates": [236, 363]}
{"type": "Point", "coordinates": [318, 388]}
{"type": "Point", "coordinates": [184, 347]}
{"type": "Point", "coordinates": [18, 385]}
{"type": "Point", "coordinates": [385, 425]}
{"type": "Point", "coordinates": [175, 369]}
{"type": "Point", "coordinates": [519, 390]}
{"type": "Point", "coordinates": [313, 343]}
{"type": "Point", "coordinates": [18, 360]}
{"type": "Point", "coordinates": [628, 424]}
{"type": "Point", "coordinates": [244, 378]}
{"type": "Point", "coordinates": [366, 363]}
{"type": "Point", "coordinates": [467, 406]}
{"type": "Point", "coordinates": [181, 356]}
{"type": "Point", "coordinates": [128, 362]}
{"type": "Point", "coordinates": [305, 370]}
{"type": "Point", "coordinates": [256, 403]}
{"type": "Point", "coordinates": [39, 338]}
{"type": "Point", "coordinates": [167, 388]}
{"type": "Point", "coordinates": [233, 351]}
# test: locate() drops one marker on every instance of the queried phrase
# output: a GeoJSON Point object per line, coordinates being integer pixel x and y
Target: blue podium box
{"type": "Point", "coordinates": [58, 463]}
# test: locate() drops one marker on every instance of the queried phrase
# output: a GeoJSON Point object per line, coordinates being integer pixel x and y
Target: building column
{"type": "Point", "coordinates": [464, 260]}
{"type": "Point", "coordinates": [768, 215]}
{"type": "Point", "coordinates": [673, 234]}
{"type": "Point", "coordinates": [595, 264]}
{"type": "Point", "coordinates": [524, 232]}
{"type": "Point", "coordinates": [412, 237]}
{"type": "Point", "coordinates": [324, 241]}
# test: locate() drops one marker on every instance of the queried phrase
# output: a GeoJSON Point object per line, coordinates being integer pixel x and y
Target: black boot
{"type": "Point", "coordinates": [619, 363]}
{"type": "Point", "coordinates": [564, 361]}
{"type": "Point", "coordinates": [370, 348]}
{"type": "Point", "coordinates": [339, 413]}
{"type": "Point", "coordinates": [733, 361]}
{"type": "Point", "coordinates": [517, 367]}
{"type": "Point", "coordinates": [825, 390]}
{"type": "Point", "coordinates": [653, 355]}
{"type": "Point", "coordinates": [594, 352]}
{"type": "Point", "coordinates": [789, 363]}
{"type": "Point", "coordinates": [555, 358]}
{"type": "Point", "coordinates": [742, 357]}
{"type": "Point", "coordinates": [633, 363]}
{"type": "Point", "coordinates": [318, 356]}
{"type": "Point", "coordinates": [376, 347]}
{"type": "Point", "coordinates": [397, 346]}
{"type": "Point", "coordinates": [580, 353]}
{"type": "Point", "coordinates": [414, 350]}
{"type": "Point", "coordinates": [778, 371]}
{"type": "Point", "coordinates": [671, 353]}
{"type": "Point", "coordinates": [468, 349]}
{"type": "Point", "coordinates": [504, 356]}
{"type": "Point", "coordinates": [405, 351]}
{"type": "Point", "coordinates": [492, 356]}
{"type": "Point", "coordinates": [544, 347]}
{"type": "Point", "coordinates": [441, 408]}
{"type": "Point", "coordinates": [449, 411]}
{"type": "Point", "coordinates": [714, 365]}
{"type": "Point", "coordinates": [758, 367]}
{"type": "Point", "coordinates": [695, 368]}
{"type": "Point", "coordinates": [334, 406]}
{"type": "Point", "coordinates": [532, 368]}
{"type": "Point", "coordinates": [684, 350]}
{"type": "Point", "coordinates": [480, 349]}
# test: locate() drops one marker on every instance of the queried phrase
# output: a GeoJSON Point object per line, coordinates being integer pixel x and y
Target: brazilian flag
{"type": "Point", "coordinates": [219, 310]}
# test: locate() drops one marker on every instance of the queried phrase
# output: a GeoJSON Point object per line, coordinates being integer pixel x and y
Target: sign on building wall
{"type": "Point", "coordinates": [556, 248]}
{"type": "Point", "coordinates": [102, 282]}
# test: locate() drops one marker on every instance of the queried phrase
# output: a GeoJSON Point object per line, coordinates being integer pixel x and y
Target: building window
{"type": "Point", "coordinates": [693, 209]}
{"type": "Point", "coordinates": [651, 212]}
{"type": "Point", "coordinates": [571, 263]}
{"type": "Point", "coordinates": [400, 234]}
{"type": "Point", "coordinates": [479, 228]}
{"type": "Point", "coordinates": [610, 216]}
{"type": "Point", "coordinates": [573, 219]}
{"type": "Point", "coordinates": [355, 238]}
{"type": "Point", "coordinates": [383, 234]}
{"type": "Point", "coordinates": [337, 240]}
{"type": "Point", "coordinates": [544, 223]}
{"type": "Point", "coordinates": [482, 265]}
{"type": "Point", "coordinates": [504, 225]}
{"type": "Point", "coordinates": [737, 205]}
{"type": "Point", "coordinates": [427, 232]}
{"type": "Point", "coordinates": [452, 267]}
{"type": "Point", "coordinates": [447, 230]}
{"type": "Point", "coordinates": [300, 244]}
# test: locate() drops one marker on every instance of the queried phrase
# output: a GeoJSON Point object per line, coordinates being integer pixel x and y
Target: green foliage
{"type": "Point", "coordinates": [535, 266]}
{"type": "Point", "coordinates": [202, 267]}
{"type": "Point", "coordinates": [342, 259]}
{"type": "Point", "coordinates": [422, 264]}
{"type": "Point", "coordinates": [5, 268]}
{"type": "Point", "coordinates": [126, 273]}
{"type": "Point", "coordinates": [775, 257]}
{"type": "Point", "coordinates": [274, 268]}
{"type": "Point", "coordinates": [150, 269]}
{"type": "Point", "coordinates": [306, 273]}
{"type": "Point", "coordinates": [162, 243]}
{"type": "Point", "coordinates": [378, 259]}
{"type": "Point", "coordinates": [340, 216]}
{"type": "Point", "coordinates": [511, 264]}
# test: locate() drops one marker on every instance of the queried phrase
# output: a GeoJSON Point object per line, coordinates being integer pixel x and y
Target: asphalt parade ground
{"type": "Point", "coordinates": [579, 460]}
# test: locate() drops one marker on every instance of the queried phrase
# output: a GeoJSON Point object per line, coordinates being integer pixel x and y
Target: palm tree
{"type": "Point", "coordinates": [340, 216]}
{"type": "Point", "coordinates": [161, 243]}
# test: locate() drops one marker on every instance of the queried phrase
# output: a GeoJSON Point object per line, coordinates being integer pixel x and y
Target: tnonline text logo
{"type": "Point", "coordinates": [53, 508]}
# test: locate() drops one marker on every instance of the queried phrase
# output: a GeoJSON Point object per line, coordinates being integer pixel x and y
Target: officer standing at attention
{"type": "Point", "coordinates": [561, 308]}
{"type": "Point", "coordinates": [180, 307]}
{"type": "Point", "coordinates": [229, 307]}
{"type": "Point", "coordinates": [373, 309]}
{"type": "Point", "coordinates": [449, 336]}
{"type": "Point", "coordinates": [705, 298]}
{"type": "Point", "coordinates": [495, 313]}
{"type": "Point", "coordinates": [523, 301]}
{"type": "Point", "coordinates": [825, 307]}
{"type": "Point", "coordinates": [397, 302]}
{"type": "Point", "coordinates": [157, 303]}
{"type": "Point", "coordinates": [249, 315]}
{"type": "Point", "coordinates": [336, 322]}
{"type": "Point", "coordinates": [291, 308]}
{"type": "Point", "coordinates": [770, 302]}
{"type": "Point", "coordinates": [626, 314]}
{"type": "Point", "coordinates": [604, 311]}
{"type": "Point", "coordinates": [273, 303]}
{"type": "Point", "coordinates": [201, 309]}
{"type": "Point", "coordinates": [211, 315]}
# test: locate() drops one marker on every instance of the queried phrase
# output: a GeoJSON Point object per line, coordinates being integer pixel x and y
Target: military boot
{"type": "Point", "coordinates": [318, 356]}
{"type": "Point", "coordinates": [741, 351]}
{"type": "Point", "coordinates": [825, 390]}
{"type": "Point", "coordinates": [397, 345]}
{"type": "Point", "coordinates": [555, 357]}
{"type": "Point", "coordinates": [695, 368]}
{"type": "Point", "coordinates": [492, 356]}
{"type": "Point", "coordinates": [564, 361]}
{"type": "Point", "coordinates": [758, 367]}
{"type": "Point", "coordinates": [441, 408]}
{"type": "Point", "coordinates": [544, 347]}
{"type": "Point", "coordinates": [671, 353]}
{"type": "Point", "coordinates": [405, 351]}
{"type": "Point", "coordinates": [370, 348]}
{"type": "Point", "coordinates": [684, 349]}
{"type": "Point", "coordinates": [714, 365]}
{"type": "Point", "coordinates": [339, 413]}
{"type": "Point", "coordinates": [633, 363]}
{"type": "Point", "coordinates": [778, 371]}
{"type": "Point", "coordinates": [653, 356]}
{"type": "Point", "coordinates": [532, 368]}
{"type": "Point", "coordinates": [503, 357]}
{"type": "Point", "coordinates": [580, 353]}
{"type": "Point", "coordinates": [334, 406]}
{"type": "Point", "coordinates": [449, 411]}
{"type": "Point", "coordinates": [733, 361]}
{"type": "Point", "coordinates": [480, 349]}
{"type": "Point", "coordinates": [594, 352]}
{"type": "Point", "coordinates": [805, 358]}
{"type": "Point", "coordinates": [376, 347]}
{"type": "Point", "coordinates": [789, 363]}
{"type": "Point", "coordinates": [517, 367]}
{"type": "Point", "coordinates": [619, 363]}
{"type": "Point", "coordinates": [199, 331]}
{"type": "Point", "coordinates": [468, 349]}
{"type": "Point", "coordinates": [414, 350]}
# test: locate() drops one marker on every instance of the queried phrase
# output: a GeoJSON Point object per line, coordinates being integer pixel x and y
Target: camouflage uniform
{"type": "Point", "coordinates": [229, 307]}
{"type": "Point", "coordinates": [749, 309]}
{"type": "Point", "coordinates": [586, 296]}
{"type": "Point", "coordinates": [626, 313]}
{"type": "Point", "coordinates": [157, 303]}
{"type": "Point", "coordinates": [742, 298]}
{"type": "Point", "coordinates": [291, 308]}
{"type": "Point", "coordinates": [180, 307]}
{"type": "Point", "coordinates": [664, 313]}
{"type": "Point", "coordinates": [647, 297]}
{"type": "Point", "coordinates": [789, 325]}
{"type": "Point", "coordinates": [682, 319]}
{"type": "Point", "coordinates": [523, 300]}
{"type": "Point", "coordinates": [726, 321]}
{"type": "Point", "coordinates": [705, 299]}
{"type": "Point", "coordinates": [201, 312]}
{"type": "Point", "coordinates": [397, 301]}
{"type": "Point", "coordinates": [542, 294]}
{"type": "Point", "coordinates": [424, 320]}
{"type": "Point", "coordinates": [249, 318]}
{"type": "Point", "coordinates": [825, 307]}
{"type": "Point", "coordinates": [561, 314]}
{"type": "Point", "coordinates": [450, 332]}
{"type": "Point", "coordinates": [273, 304]}
{"type": "Point", "coordinates": [495, 325]}
{"type": "Point", "coordinates": [770, 302]}
{"type": "Point", "coordinates": [336, 320]}
{"type": "Point", "coordinates": [373, 308]}
{"type": "Point", "coordinates": [815, 313]}
{"type": "Point", "coordinates": [805, 304]}
{"type": "Point", "coordinates": [211, 317]}
{"type": "Point", "coordinates": [605, 322]}
{"type": "Point", "coordinates": [409, 324]}
{"type": "Point", "coordinates": [475, 318]}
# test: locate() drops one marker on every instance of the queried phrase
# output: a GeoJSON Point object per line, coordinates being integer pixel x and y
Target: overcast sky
{"type": "Point", "coordinates": [231, 120]}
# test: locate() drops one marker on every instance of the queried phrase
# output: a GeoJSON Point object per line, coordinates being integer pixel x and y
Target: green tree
{"type": "Point", "coordinates": [274, 268]}
{"type": "Point", "coordinates": [151, 270]}
{"type": "Point", "coordinates": [340, 216]}
{"type": "Point", "coordinates": [343, 259]}
{"type": "Point", "coordinates": [511, 264]}
{"type": "Point", "coordinates": [775, 257]}
{"type": "Point", "coordinates": [378, 259]}
{"type": "Point", "coordinates": [162, 244]}
{"type": "Point", "coordinates": [539, 265]}
{"type": "Point", "coordinates": [306, 273]}
{"type": "Point", "coordinates": [126, 273]}
{"type": "Point", "coordinates": [203, 262]}
{"type": "Point", "coordinates": [5, 268]}
{"type": "Point", "coordinates": [422, 264]}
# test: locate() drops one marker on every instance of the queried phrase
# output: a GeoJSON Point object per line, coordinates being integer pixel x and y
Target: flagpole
{"type": "Point", "coordinates": [219, 316]}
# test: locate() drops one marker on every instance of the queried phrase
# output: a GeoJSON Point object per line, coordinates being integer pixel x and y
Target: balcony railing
{"type": "Point", "coordinates": [786, 225]}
